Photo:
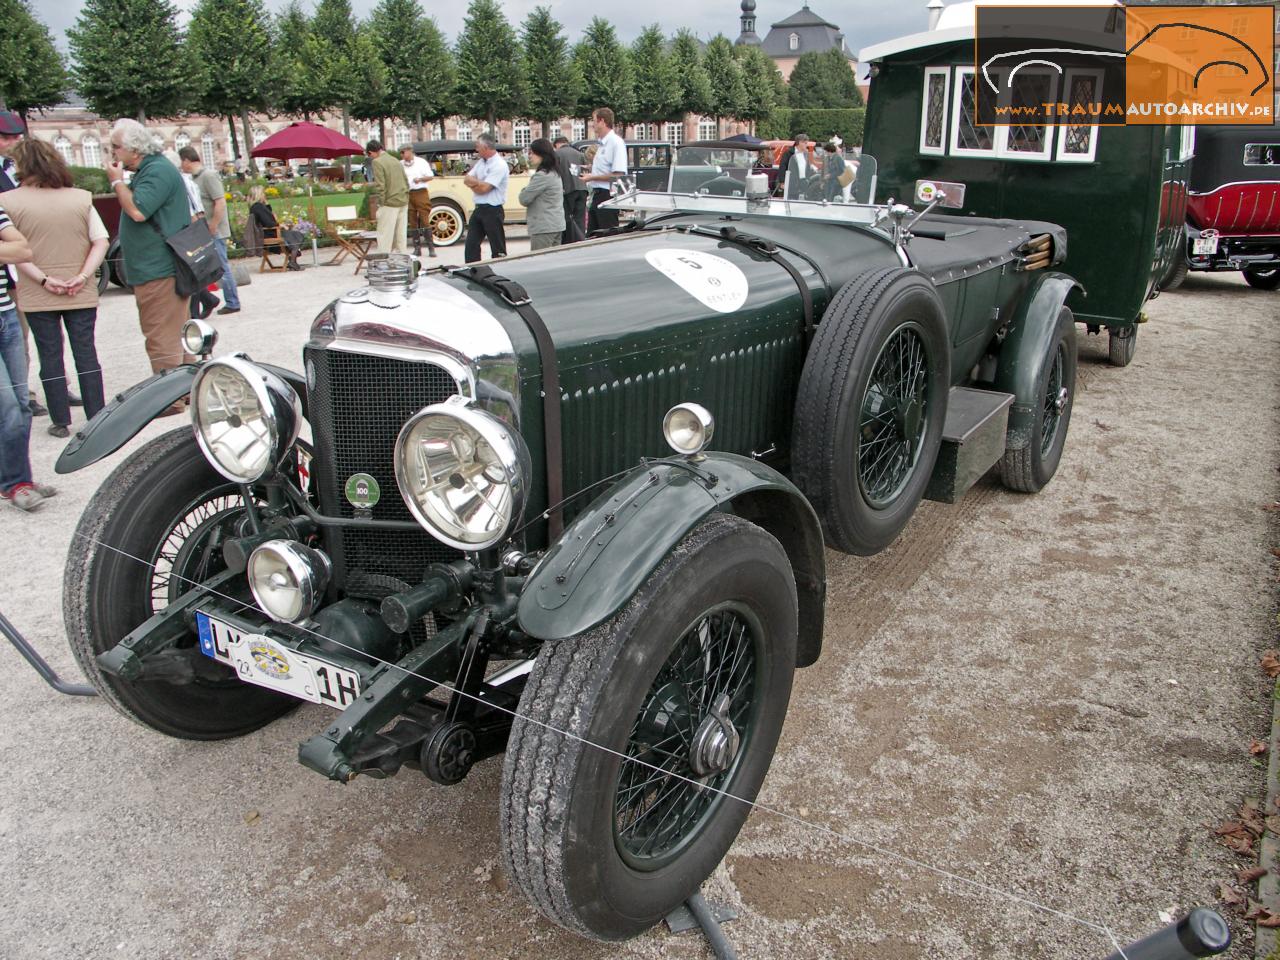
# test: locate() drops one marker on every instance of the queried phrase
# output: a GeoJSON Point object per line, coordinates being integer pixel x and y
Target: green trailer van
{"type": "Point", "coordinates": [1120, 191]}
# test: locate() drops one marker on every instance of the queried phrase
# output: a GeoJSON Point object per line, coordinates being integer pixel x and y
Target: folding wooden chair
{"type": "Point", "coordinates": [349, 231]}
{"type": "Point", "coordinates": [273, 246]}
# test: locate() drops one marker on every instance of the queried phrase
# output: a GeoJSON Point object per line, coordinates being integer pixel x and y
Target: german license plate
{"type": "Point", "coordinates": [261, 660]}
{"type": "Point", "coordinates": [1204, 245]}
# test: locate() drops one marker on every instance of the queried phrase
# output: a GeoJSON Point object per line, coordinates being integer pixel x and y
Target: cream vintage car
{"type": "Point", "coordinates": [452, 201]}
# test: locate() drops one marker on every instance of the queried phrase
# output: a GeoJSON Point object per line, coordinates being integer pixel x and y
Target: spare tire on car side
{"type": "Point", "coordinates": [870, 408]}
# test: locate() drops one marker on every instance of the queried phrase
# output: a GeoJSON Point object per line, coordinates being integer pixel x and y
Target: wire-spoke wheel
{"type": "Point", "coordinates": [1030, 466]}
{"type": "Point", "coordinates": [154, 530]}
{"type": "Point", "coordinates": [870, 408]}
{"type": "Point", "coordinates": [639, 745]}
{"type": "Point", "coordinates": [894, 414]}
{"type": "Point", "coordinates": [687, 738]}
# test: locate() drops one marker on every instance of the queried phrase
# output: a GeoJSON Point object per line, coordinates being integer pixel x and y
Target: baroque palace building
{"type": "Point", "coordinates": [81, 136]}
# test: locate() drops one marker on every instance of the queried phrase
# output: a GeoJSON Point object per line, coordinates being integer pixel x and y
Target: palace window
{"type": "Point", "coordinates": [404, 136]}
{"type": "Point", "coordinates": [521, 134]}
{"type": "Point", "coordinates": [181, 139]}
{"type": "Point", "coordinates": [673, 133]}
{"type": "Point", "coordinates": [578, 131]}
{"type": "Point", "coordinates": [464, 130]}
{"type": "Point", "coordinates": [63, 146]}
{"type": "Point", "coordinates": [91, 150]}
{"type": "Point", "coordinates": [706, 129]}
{"type": "Point", "coordinates": [208, 152]}
{"type": "Point", "coordinates": [793, 42]}
{"type": "Point", "coordinates": [260, 134]}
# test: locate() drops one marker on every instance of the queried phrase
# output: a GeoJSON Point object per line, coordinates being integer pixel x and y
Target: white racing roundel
{"type": "Point", "coordinates": [711, 280]}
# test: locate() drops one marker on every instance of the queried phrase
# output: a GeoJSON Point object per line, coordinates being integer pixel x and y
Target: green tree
{"type": "Point", "coordinates": [32, 75]}
{"type": "Point", "coordinates": [657, 88]}
{"type": "Point", "coordinates": [823, 81]}
{"type": "Point", "coordinates": [728, 96]}
{"type": "Point", "coordinates": [761, 82]}
{"type": "Point", "coordinates": [233, 62]}
{"type": "Point", "coordinates": [606, 70]}
{"type": "Point", "coordinates": [369, 89]}
{"type": "Point", "coordinates": [695, 85]}
{"type": "Point", "coordinates": [491, 80]}
{"type": "Point", "coordinates": [129, 59]}
{"type": "Point", "coordinates": [419, 65]}
{"type": "Point", "coordinates": [300, 58]}
{"type": "Point", "coordinates": [554, 81]}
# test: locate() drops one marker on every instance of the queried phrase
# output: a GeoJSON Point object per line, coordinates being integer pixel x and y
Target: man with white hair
{"type": "Point", "coordinates": [152, 207]}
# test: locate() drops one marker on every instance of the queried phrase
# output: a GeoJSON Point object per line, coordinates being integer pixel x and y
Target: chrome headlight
{"type": "Point", "coordinates": [198, 337]}
{"type": "Point", "coordinates": [688, 428]}
{"type": "Point", "coordinates": [246, 419]}
{"type": "Point", "coordinates": [463, 473]}
{"type": "Point", "coordinates": [288, 579]}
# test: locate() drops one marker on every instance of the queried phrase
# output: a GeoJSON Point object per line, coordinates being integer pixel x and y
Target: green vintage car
{"type": "Point", "coordinates": [586, 533]}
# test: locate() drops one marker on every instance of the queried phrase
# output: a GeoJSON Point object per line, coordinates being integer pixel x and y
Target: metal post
{"type": "Point", "coordinates": [38, 663]}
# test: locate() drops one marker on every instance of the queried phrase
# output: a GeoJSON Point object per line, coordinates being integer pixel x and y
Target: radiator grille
{"type": "Point", "coordinates": [357, 405]}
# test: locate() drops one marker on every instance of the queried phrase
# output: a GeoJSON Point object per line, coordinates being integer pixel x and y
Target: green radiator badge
{"type": "Point", "coordinates": [362, 491]}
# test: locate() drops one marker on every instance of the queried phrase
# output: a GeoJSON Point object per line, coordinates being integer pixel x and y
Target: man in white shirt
{"type": "Point", "coordinates": [418, 172]}
{"type": "Point", "coordinates": [488, 181]}
{"type": "Point", "coordinates": [610, 164]}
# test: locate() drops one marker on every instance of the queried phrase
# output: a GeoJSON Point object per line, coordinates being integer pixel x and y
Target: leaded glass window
{"type": "Point", "coordinates": [967, 134]}
{"type": "Point", "coordinates": [933, 114]}
{"type": "Point", "coordinates": [1026, 93]}
{"type": "Point", "coordinates": [1077, 141]}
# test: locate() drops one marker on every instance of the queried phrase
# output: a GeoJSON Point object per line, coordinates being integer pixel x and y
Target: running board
{"type": "Point", "coordinates": [973, 441]}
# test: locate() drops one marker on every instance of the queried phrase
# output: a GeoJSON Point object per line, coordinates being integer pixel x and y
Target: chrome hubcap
{"type": "Point", "coordinates": [715, 744]}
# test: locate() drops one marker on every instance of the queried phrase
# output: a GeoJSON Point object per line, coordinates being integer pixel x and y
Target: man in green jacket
{"type": "Point", "coordinates": [152, 206]}
{"type": "Point", "coordinates": [391, 190]}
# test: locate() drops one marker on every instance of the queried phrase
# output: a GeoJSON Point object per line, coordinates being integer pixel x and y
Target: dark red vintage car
{"type": "Point", "coordinates": [1233, 204]}
{"type": "Point", "coordinates": [112, 269]}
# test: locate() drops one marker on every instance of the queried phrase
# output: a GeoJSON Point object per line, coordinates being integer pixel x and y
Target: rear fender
{"type": "Point", "coordinates": [119, 421]}
{"type": "Point", "coordinates": [1024, 351]}
{"type": "Point", "coordinates": [608, 551]}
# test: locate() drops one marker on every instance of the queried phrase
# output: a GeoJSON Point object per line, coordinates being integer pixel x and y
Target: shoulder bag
{"type": "Point", "coordinates": [195, 257]}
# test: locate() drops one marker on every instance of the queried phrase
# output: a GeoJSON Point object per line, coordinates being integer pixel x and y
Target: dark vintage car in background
{"type": "Point", "coordinates": [1233, 205]}
{"type": "Point", "coordinates": [592, 539]}
{"type": "Point", "coordinates": [648, 162]}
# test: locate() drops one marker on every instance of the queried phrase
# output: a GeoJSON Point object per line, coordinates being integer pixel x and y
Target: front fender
{"type": "Point", "coordinates": [608, 551]}
{"type": "Point", "coordinates": [1024, 351]}
{"type": "Point", "coordinates": [119, 421]}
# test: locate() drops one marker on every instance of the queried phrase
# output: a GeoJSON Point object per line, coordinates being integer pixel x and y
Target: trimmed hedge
{"type": "Point", "coordinates": [93, 179]}
{"type": "Point", "coordinates": [785, 122]}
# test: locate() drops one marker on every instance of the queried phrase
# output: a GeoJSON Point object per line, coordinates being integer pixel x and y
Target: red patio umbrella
{"type": "Point", "coordinates": [307, 141]}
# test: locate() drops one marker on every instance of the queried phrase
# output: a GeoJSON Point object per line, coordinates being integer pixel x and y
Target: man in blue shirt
{"type": "Point", "coordinates": [488, 181]}
{"type": "Point", "coordinates": [610, 164]}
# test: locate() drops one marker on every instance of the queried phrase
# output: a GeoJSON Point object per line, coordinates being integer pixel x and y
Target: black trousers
{"type": "Point", "coordinates": [46, 328]}
{"type": "Point", "coordinates": [598, 219]}
{"type": "Point", "coordinates": [575, 216]}
{"type": "Point", "coordinates": [486, 221]}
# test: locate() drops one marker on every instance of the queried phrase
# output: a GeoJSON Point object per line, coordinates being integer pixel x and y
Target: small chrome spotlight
{"type": "Point", "coordinates": [688, 428]}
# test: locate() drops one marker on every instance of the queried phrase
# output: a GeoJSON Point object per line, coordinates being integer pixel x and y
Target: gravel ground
{"type": "Point", "coordinates": [1048, 696]}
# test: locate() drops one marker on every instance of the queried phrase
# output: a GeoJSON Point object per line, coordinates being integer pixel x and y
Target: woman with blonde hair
{"type": "Point", "coordinates": [57, 288]}
{"type": "Point", "coordinates": [261, 215]}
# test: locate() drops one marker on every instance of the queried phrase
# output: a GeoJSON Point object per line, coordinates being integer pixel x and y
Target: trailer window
{"type": "Point", "coordinates": [1186, 142]}
{"type": "Point", "coordinates": [1261, 154]}
{"type": "Point", "coordinates": [1028, 89]}
{"type": "Point", "coordinates": [933, 113]}
{"type": "Point", "coordinates": [969, 138]}
{"type": "Point", "coordinates": [1078, 143]}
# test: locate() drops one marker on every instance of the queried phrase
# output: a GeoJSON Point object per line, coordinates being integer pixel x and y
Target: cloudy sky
{"type": "Point", "coordinates": [863, 21]}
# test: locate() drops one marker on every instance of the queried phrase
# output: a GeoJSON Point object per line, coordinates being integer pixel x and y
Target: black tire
{"type": "Point", "coordinates": [1176, 274]}
{"type": "Point", "coordinates": [108, 592]}
{"type": "Point", "coordinates": [564, 819]}
{"type": "Point", "coordinates": [1122, 344]}
{"type": "Point", "coordinates": [1262, 279]}
{"type": "Point", "coordinates": [840, 378]}
{"type": "Point", "coordinates": [448, 223]}
{"type": "Point", "coordinates": [116, 267]}
{"type": "Point", "coordinates": [102, 277]}
{"type": "Point", "coordinates": [1029, 468]}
